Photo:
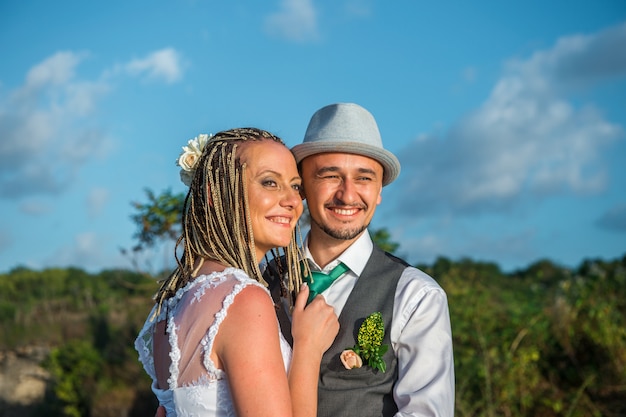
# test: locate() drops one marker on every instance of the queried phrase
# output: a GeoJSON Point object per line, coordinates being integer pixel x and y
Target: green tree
{"type": "Point", "coordinates": [75, 368]}
{"type": "Point", "coordinates": [382, 238]}
{"type": "Point", "coordinates": [158, 223]}
{"type": "Point", "coordinates": [158, 219]}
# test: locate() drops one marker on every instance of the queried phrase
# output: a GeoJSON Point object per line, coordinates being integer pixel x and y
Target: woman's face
{"type": "Point", "coordinates": [273, 193]}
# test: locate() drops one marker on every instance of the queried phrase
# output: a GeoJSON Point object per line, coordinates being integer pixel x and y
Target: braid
{"type": "Point", "coordinates": [216, 220]}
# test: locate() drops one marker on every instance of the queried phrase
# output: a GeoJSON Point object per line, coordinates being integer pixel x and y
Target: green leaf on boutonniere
{"type": "Point", "coordinates": [370, 342]}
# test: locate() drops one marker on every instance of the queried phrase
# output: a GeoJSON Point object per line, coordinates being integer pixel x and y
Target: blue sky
{"type": "Point", "coordinates": [509, 118]}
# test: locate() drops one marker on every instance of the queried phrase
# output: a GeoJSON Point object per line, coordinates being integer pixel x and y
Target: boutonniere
{"type": "Point", "coordinates": [369, 347]}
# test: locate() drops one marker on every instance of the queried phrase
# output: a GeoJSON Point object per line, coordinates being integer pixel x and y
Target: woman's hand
{"type": "Point", "coordinates": [313, 326]}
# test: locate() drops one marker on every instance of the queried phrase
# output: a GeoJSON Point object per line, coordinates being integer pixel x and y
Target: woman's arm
{"type": "Point", "coordinates": [247, 348]}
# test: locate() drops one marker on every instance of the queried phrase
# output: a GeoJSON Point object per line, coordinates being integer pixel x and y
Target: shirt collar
{"type": "Point", "coordinates": [355, 257]}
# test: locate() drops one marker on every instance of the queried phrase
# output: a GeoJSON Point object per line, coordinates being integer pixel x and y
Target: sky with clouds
{"type": "Point", "coordinates": [509, 118]}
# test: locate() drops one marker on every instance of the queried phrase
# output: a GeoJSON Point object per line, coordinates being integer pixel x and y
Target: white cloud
{"type": "Point", "coordinates": [424, 239]}
{"type": "Point", "coordinates": [579, 60]}
{"type": "Point", "coordinates": [164, 64]}
{"type": "Point", "coordinates": [93, 252]}
{"type": "Point", "coordinates": [55, 70]}
{"type": "Point", "coordinates": [35, 207]}
{"type": "Point", "coordinates": [296, 21]}
{"type": "Point", "coordinates": [505, 248]}
{"type": "Point", "coordinates": [38, 126]}
{"type": "Point", "coordinates": [527, 139]}
{"type": "Point", "coordinates": [88, 251]}
{"type": "Point", "coordinates": [97, 199]}
{"type": "Point", "coordinates": [84, 249]}
{"type": "Point", "coordinates": [426, 247]}
{"type": "Point", "coordinates": [47, 126]}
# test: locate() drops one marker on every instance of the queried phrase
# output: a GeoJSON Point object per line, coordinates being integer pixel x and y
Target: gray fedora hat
{"type": "Point", "coordinates": [347, 128]}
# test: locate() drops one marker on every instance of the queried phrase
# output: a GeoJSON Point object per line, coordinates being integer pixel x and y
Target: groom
{"type": "Point", "coordinates": [344, 167]}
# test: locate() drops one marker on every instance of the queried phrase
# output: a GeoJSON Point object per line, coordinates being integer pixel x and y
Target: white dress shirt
{"type": "Point", "coordinates": [421, 335]}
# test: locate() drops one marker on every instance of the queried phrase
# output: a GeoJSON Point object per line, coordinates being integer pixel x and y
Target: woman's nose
{"type": "Point", "coordinates": [291, 198]}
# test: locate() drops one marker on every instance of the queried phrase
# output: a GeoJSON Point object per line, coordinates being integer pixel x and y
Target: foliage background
{"type": "Point", "coordinates": [543, 341]}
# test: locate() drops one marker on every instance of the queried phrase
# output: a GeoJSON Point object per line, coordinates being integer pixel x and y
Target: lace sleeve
{"type": "Point", "coordinates": [143, 345]}
{"type": "Point", "coordinates": [194, 316]}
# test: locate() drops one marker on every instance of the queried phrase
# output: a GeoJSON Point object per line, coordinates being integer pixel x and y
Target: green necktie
{"type": "Point", "coordinates": [321, 281]}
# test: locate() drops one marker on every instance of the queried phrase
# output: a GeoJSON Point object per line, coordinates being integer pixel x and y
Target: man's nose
{"type": "Point", "coordinates": [346, 192]}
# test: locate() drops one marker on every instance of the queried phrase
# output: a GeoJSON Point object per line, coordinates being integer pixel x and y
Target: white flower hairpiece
{"type": "Point", "coordinates": [190, 156]}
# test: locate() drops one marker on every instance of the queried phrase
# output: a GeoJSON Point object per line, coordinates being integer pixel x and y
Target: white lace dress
{"type": "Point", "coordinates": [194, 314]}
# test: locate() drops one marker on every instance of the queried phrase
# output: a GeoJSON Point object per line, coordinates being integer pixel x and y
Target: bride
{"type": "Point", "coordinates": [212, 343]}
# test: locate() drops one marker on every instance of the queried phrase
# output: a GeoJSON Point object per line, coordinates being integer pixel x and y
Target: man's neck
{"type": "Point", "coordinates": [324, 248]}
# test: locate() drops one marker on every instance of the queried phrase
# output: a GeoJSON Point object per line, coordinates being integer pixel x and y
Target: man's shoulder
{"type": "Point", "coordinates": [419, 280]}
{"type": "Point", "coordinates": [396, 259]}
{"type": "Point", "coordinates": [409, 270]}
{"type": "Point", "coordinates": [412, 275]}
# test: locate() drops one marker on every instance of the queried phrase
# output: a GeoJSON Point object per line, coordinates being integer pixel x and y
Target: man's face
{"type": "Point", "coordinates": [342, 191]}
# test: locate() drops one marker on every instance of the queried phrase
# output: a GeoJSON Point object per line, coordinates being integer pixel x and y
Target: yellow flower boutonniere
{"type": "Point", "coordinates": [369, 347]}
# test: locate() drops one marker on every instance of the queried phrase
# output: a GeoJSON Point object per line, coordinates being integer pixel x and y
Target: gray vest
{"type": "Point", "coordinates": [363, 391]}
{"type": "Point", "coordinates": [358, 392]}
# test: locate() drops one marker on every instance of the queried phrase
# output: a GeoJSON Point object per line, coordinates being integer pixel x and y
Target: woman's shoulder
{"type": "Point", "coordinates": [230, 276]}
{"type": "Point", "coordinates": [248, 288]}
{"type": "Point", "coordinates": [225, 285]}
{"type": "Point", "coordinates": [250, 310]}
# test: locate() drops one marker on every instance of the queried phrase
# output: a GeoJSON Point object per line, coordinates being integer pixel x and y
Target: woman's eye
{"type": "Point", "coordinates": [269, 183]}
{"type": "Point", "coordinates": [297, 187]}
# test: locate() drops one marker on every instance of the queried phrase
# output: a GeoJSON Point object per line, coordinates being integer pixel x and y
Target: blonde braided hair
{"type": "Point", "coordinates": [216, 218]}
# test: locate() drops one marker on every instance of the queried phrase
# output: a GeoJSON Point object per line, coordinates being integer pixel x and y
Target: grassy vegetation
{"type": "Point", "coordinates": [544, 341]}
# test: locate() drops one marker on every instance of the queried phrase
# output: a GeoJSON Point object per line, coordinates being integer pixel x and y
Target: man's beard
{"type": "Point", "coordinates": [342, 234]}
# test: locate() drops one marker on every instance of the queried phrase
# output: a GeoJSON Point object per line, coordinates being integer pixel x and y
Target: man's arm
{"type": "Point", "coordinates": [422, 339]}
